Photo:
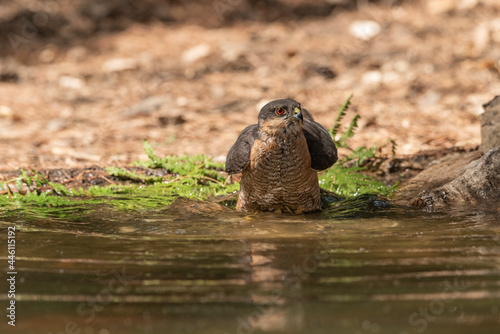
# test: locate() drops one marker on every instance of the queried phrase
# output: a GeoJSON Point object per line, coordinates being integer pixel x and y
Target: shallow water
{"type": "Point", "coordinates": [373, 271]}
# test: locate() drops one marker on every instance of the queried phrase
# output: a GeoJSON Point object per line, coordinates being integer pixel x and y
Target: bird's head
{"type": "Point", "coordinates": [279, 117]}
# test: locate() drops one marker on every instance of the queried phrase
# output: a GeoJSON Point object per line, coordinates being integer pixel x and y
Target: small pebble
{"type": "Point", "coordinates": [119, 65]}
{"type": "Point", "coordinates": [372, 77]}
{"type": "Point", "coordinates": [6, 112]}
{"type": "Point", "coordinates": [196, 53]}
{"type": "Point", "coordinates": [428, 99]}
{"type": "Point", "coordinates": [365, 30]}
{"type": "Point", "coordinates": [71, 82]}
{"type": "Point", "coordinates": [148, 105]}
{"type": "Point", "coordinates": [55, 124]}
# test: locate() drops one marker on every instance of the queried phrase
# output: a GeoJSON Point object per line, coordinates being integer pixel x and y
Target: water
{"type": "Point", "coordinates": [384, 271]}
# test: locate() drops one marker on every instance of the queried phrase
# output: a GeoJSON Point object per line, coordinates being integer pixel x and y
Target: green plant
{"type": "Point", "coordinates": [349, 130]}
{"type": "Point", "coordinates": [122, 173]}
{"type": "Point", "coordinates": [350, 182]}
{"type": "Point", "coordinates": [346, 177]}
{"type": "Point", "coordinates": [359, 154]}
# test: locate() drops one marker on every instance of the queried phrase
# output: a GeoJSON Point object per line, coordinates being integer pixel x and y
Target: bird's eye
{"type": "Point", "coordinates": [280, 111]}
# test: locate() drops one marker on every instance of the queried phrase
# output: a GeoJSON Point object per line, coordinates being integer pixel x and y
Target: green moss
{"type": "Point", "coordinates": [348, 182]}
{"type": "Point", "coordinates": [122, 173]}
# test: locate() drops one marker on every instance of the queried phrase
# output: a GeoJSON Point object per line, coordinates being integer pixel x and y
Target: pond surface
{"type": "Point", "coordinates": [384, 271]}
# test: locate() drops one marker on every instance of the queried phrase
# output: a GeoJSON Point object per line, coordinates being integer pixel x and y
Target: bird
{"type": "Point", "coordinates": [279, 159]}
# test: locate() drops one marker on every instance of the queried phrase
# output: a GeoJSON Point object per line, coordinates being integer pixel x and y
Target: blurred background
{"type": "Point", "coordinates": [83, 82]}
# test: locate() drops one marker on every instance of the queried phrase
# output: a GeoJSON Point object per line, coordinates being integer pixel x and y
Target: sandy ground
{"type": "Point", "coordinates": [421, 80]}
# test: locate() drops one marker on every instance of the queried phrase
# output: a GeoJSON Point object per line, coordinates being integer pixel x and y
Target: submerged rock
{"type": "Point", "coordinates": [459, 185]}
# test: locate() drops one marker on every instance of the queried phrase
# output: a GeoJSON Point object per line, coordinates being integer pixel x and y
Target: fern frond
{"type": "Point", "coordinates": [341, 113]}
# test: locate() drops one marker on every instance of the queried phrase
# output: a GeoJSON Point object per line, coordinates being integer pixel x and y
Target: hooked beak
{"type": "Point", "coordinates": [298, 114]}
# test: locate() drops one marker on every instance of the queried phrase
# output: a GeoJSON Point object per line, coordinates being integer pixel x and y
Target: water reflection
{"type": "Point", "coordinates": [386, 271]}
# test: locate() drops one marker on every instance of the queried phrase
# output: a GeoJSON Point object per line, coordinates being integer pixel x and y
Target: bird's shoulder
{"type": "Point", "coordinates": [320, 144]}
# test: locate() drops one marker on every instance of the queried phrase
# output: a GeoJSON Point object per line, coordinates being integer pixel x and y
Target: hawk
{"type": "Point", "coordinates": [279, 159]}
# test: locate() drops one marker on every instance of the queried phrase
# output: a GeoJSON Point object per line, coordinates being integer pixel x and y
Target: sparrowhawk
{"type": "Point", "coordinates": [279, 158]}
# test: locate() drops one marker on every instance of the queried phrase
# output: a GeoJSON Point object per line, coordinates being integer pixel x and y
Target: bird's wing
{"type": "Point", "coordinates": [239, 154]}
{"type": "Point", "coordinates": [307, 114]}
{"type": "Point", "coordinates": [320, 144]}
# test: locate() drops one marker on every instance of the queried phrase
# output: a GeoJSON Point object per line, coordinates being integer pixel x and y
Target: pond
{"type": "Point", "coordinates": [376, 270]}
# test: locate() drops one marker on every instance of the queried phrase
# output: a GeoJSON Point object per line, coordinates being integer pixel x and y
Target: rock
{"type": "Point", "coordinates": [175, 118]}
{"type": "Point", "coordinates": [439, 173]}
{"type": "Point", "coordinates": [56, 124]}
{"type": "Point", "coordinates": [467, 4]}
{"type": "Point", "coordinates": [372, 78]}
{"type": "Point", "coordinates": [324, 71]}
{"type": "Point", "coordinates": [181, 101]}
{"type": "Point", "coordinates": [436, 7]}
{"type": "Point", "coordinates": [48, 54]}
{"type": "Point", "coordinates": [6, 112]}
{"type": "Point", "coordinates": [119, 65]}
{"type": "Point", "coordinates": [71, 82]}
{"type": "Point", "coordinates": [477, 185]}
{"type": "Point", "coordinates": [428, 99]}
{"type": "Point", "coordinates": [401, 66]}
{"type": "Point", "coordinates": [196, 53]}
{"type": "Point", "coordinates": [495, 30]}
{"type": "Point", "coordinates": [365, 30]}
{"type": "Point", "coordinates": [240, 64]}
{"type": "Point", "coordinates": [148, 106]}
{"type": "Point", "coordinates": [217, 91]}
{"type": "Point", "coordinates": [481, 38]}
{"type": "Point", "coordinates": [231, 51]}
{"type": "Point", "coordinates": [490, 125]}
{"type": "Point", "coordinates": [9, 76]}
{"type": "Point", "coordinates": [77, 53]}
